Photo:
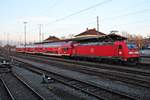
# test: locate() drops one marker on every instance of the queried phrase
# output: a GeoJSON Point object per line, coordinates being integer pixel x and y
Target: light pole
{"type": "Point", "coordinates": [42, 36]}
{"type": "Point", "coordinates": [40, 32]}
{"type": "Point", "coordinates": [8, 46]}
{"type": "Point", "coordinates": [25, 35]}
{"type": "Point", "coordinates": [97, 23]}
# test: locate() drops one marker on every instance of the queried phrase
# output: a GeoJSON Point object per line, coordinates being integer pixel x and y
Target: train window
{"type": "Point", "coordinates": [146, 47]}
{"type": "Point", "coordinates": [120, 47]}
{"type": "Point", "coordinates": [132, 46]}
{"type": "Point", "coordinates": [89, 43]}
{"type": "Point", "coordinates": [106, 43]}
{"type": "Point", "coordinates": [65, 49]}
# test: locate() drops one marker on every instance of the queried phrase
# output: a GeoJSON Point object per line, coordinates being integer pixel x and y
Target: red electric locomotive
{"type": "Point", "coordinates": [101, 47]}
{"type": "Point", "coordinates": [106, 47]}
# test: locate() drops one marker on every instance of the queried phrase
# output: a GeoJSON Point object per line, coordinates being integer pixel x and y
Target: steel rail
{"type": "Point", "coordinates": [109, 74]}
{"type": "Point", "coordinates": [7, 89]}
{"type": "Point", "coordinates": [28, 86]}
{"type": "Point", "coordinates": [96, 65]}
{"type": "Point", "coordinates": [41, 71]}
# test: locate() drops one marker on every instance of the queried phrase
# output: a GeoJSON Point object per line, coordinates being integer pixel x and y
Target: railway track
{"type": "Point", "coordinates": [19, 89]}
{"type": "Point", "coordinates": [119, 75]}
{"type": "Point", "coordinates": [4, 70]}
{"type": "Point", "coordinates": [141, 67]}
{"type": "Point", "coordinates": [85, 61]}
{"type": "Point", "coordinates": [99, 92]}
{"type": "Point", "coordinates": [5, 93]}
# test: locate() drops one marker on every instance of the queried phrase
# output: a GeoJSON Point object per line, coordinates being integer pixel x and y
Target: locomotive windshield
{"type": "Point", "coordinates": [132, 46]}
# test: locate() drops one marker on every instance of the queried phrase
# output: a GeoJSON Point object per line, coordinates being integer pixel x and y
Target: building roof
{"type": "Point", "coordinates": [147, 41]}
{"type": "Point", "coordinates": [90, 32]}
{"type": "Point", "coordinates": [51, 38]}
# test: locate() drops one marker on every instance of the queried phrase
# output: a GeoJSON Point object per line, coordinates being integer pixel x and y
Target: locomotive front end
{"type": "Point", "coordinates": [133, 54]}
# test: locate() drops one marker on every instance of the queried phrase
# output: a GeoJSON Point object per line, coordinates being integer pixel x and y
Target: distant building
{"type": "Point", "coordinates": [146, 42]}
{"type": "Point", "coordinates": [90, 32]}
{"type": "Point", "coordinates": [51, 38]}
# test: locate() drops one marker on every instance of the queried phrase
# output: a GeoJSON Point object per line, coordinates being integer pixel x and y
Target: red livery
{"type": "Point", "coordinates": [101, 47]}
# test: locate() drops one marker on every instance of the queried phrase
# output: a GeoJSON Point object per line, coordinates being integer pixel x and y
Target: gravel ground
{"type": "Point", "coordinates": [52, 91]}
{"type": "Point", "coordinates": [3, 92]}
{"type": "Point", "coordinates": [18, 89]}
{"type": "Point", "coordinates": [139, 92]}
{"type": "Point", "coordinates": [4, 70]}
{"type": "Point", "coordinates": [67, 93]}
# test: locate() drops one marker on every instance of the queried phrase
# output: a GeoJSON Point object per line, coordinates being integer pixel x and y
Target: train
{"type": "Point", "coordinates": [113, 47]}
{"type": "Point", "coordinates": [145, 51]}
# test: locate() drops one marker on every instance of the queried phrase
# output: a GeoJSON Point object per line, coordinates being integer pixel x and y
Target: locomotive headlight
{"type": "Point", "coordinates": [136, 52]}
{"type": "Point", "coordinates": [120, 52]}
{"type": "Point", "coordinates": [131, 52]}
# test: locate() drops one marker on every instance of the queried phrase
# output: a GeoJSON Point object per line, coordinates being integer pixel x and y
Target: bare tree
{"type": "Point", "coordinates": [138, 39]}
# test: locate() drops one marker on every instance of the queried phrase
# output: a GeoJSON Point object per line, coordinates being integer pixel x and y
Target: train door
{"type": "Point", "coordinates": [120, 50]}
{"type": "Point", "coordinates": [67, 48]}
{"type": "Point", "coordinates": [75, 46]}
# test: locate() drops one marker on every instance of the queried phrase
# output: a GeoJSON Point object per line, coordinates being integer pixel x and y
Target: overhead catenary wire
{"type": "Point", "coordinates": [125, 24]}
{"type": "Point", "coordinates": [98, 4]}
{"type": "Point", "coordinates": [93, 6]}
{"type": "Point", "coordinates": [128, 14]}
{"type": "Point", "coordinates": [123, 15]}
{"type": "Point", "coordinates": [80, 11]}
{"type": "Point", "coordinates": [55, 4]}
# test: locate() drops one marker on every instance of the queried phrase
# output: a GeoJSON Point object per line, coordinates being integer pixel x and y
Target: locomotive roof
{"type": "Point", "coordinates": [110, 37]}
{"type": "Point", "coordinates": [117, 37]}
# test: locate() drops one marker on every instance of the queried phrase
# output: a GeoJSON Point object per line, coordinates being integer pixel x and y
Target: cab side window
{"type": "Point", "coordinates": [120, 47]}
{"type": "Point", "coordinates": [65, 49]}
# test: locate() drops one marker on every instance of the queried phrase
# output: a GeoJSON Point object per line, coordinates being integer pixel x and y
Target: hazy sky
{"type": "Point", "coordinates": [132, 16]}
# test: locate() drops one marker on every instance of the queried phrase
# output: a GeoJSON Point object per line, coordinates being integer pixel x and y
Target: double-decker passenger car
{"type": "Point", "coordinates": [100, 47]}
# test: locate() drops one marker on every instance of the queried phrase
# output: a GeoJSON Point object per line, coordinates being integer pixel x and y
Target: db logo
{"type": "Point", "coordinates": [92, 50]}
